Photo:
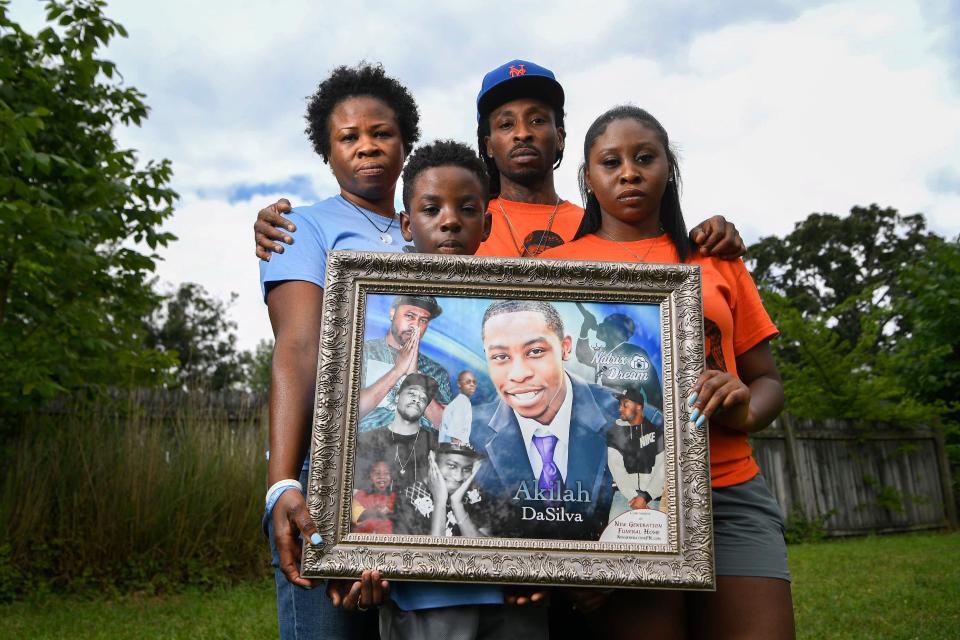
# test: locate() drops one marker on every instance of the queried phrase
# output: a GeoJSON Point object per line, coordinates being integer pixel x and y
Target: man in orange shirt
{"type": "Point", "coordinates": [521, 137]}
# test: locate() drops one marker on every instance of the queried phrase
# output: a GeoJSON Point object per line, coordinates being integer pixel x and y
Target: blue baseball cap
{"type": "Point", "coordinates": [518, 79]}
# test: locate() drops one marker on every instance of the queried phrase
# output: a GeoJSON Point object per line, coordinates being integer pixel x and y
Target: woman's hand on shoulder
{"type": "Point", "coordinates": [271, 228]}
{"type": "Point", "coordinates": [718, 237]}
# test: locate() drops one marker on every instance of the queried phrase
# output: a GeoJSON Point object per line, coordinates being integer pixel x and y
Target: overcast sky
{"type": "Point", "coordinates": [779, 109]}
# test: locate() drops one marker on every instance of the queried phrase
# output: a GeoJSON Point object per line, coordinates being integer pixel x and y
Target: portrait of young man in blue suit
{"type": "Point", "coordinates": [545, 435]}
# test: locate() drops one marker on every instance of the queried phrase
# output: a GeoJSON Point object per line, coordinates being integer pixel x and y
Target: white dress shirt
{"type": "Point", "coordinates": [559, 426]}
{"type": "Point", "coordinates": [457, 420]}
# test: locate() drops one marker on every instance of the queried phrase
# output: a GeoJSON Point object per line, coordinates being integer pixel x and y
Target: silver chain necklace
{"type": "Point", "coordinates": [403, 464]}
{"type": "Point", "coordinates": [522, 249]}
{"type": "Point", "coordinates": [651, 240]}
{"type": "Point", "coordinates": [385, 236]}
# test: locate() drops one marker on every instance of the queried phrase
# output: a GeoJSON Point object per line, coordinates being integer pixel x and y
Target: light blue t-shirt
{"type": "Point", "coordinates": [330, 225]}
{"type": "Point", "coordinates": [413, 596]}
{"type": "Point", "coordinates": [335, 224]}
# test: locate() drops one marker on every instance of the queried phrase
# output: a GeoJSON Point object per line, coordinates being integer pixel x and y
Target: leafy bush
{"type": "Point", "coordinates": [104, 496]}
{"type": "Point", "coordinates": [801, 528]}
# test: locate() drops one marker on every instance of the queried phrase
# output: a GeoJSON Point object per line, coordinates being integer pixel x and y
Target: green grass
{"type": "Point", "coordinates": [246, 611]}
{"type": "Point", "coordinates": [878, 587]}
{"type": "Point", "coordinates": [905, 586]}
{"type": "Point", "coordinates": [116, 498]}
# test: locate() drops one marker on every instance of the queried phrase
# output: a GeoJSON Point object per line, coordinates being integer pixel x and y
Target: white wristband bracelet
{"type": "Point", "coordinates": [277, 489]}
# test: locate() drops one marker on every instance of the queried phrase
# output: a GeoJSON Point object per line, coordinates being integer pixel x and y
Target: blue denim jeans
{"type": "Point", "coordinates": [307, 614]}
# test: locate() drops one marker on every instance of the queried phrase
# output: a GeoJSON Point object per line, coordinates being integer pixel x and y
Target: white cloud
{"type": "Point", "coordinates": [779, 109]}
{"type": "Point", "coordinates": [215, 249]}
{"type": "Point", "coordinates": [775, 121]}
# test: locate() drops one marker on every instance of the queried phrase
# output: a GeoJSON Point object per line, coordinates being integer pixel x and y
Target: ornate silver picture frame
{"type": "Point", "coordinates": [542, 402]}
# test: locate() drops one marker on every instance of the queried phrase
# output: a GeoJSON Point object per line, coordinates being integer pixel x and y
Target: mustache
{"type": "Point", "coordinates": [523, 147]}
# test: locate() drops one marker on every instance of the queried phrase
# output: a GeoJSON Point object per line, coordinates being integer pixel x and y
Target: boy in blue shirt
{"type": "Point", "coordinates": [445, 194]}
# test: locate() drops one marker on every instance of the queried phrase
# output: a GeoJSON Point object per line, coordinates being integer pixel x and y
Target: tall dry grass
{"type": "Point", "coordinates": [119, 496]}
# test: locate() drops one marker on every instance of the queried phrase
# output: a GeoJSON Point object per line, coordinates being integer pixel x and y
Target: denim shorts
{"type": "Point", "coordinates": [748, 531]}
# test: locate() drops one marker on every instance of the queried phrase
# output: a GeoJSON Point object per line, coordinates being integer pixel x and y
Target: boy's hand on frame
{"type": "Point", "coordinates": [526, 596]}
{"type": "Point", "coordinates": [369, 591]}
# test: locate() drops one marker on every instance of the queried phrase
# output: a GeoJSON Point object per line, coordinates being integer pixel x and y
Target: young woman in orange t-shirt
{"type": "Point", "coordinates": [629, 181]}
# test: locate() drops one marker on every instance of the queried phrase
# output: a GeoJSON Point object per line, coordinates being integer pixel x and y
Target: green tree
{"type": "Point", "coordinates": [930, 356]}
{"type": "Point", "coordinates": [826, 263]}
{"type": "Point", "coordinates": [193, 326]}
{"type": "Point", "coordinates": [928, 351]}
{"type": "Point", "coordinates": [854, 343]}
{"type": "Point", "coordinates": [827, 376]}
{"type": "Point", "coordinates": [258, 370]}
{"type": "Point", "coordinates": [73, 285]}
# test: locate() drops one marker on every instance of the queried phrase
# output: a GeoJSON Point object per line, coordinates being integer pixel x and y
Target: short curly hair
{"type": "Point", "coordinates": [549, 312]}
{"type": "Point", "coordinates": [442, 153]}
{"type": "Point", "coordinates": [362, 80]}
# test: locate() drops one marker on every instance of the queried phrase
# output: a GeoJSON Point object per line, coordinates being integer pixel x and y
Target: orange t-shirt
{"type": "Point", "coordinates": [734, 321]}
{"type": "Point", "coordinates": [518, 225]}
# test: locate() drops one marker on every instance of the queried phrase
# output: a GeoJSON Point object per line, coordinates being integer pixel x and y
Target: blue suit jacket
{"type": "Point", "coordinates": [507, 477]}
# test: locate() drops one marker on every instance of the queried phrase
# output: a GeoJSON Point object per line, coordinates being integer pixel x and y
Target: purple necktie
{"type": "Point", "coordinates": [550, 475]}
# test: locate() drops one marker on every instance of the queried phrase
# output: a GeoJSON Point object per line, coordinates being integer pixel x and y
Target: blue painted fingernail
{"type": "Point", "coordinates": [693, 416]}
{"type": "Point", "coordinates": [315, 538]}
{"type": "Point", "coordinates": [700, 421]}
{"type": "Point", "coordinates": [692, 398]}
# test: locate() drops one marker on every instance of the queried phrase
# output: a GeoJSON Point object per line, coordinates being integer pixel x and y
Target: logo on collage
{"type": "Point", "coordinates": [714, 341]}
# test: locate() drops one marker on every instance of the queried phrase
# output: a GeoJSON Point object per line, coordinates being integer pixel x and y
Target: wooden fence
{"type": "Point", "coordinates": [857, 480]}
{"type": "Point", "coordinates": [168, 404]}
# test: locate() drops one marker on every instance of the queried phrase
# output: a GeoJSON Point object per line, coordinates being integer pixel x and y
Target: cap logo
{"type": "Point", "coordinates": [518, 71]}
